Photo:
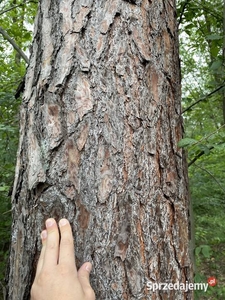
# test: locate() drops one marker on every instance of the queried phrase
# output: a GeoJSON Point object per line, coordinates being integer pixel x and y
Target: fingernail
{"type": "Point", "coordinates": [88, 267]}
{"type": "Point", "coordinates": [63, 222]}
{"type": "Point", "coordinates": [49, 222]}
{"type": "Point", "coordinates": [44, 234]}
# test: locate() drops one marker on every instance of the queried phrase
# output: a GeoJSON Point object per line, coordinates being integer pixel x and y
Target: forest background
{"type": "Point", "coordinates": [202, 54]}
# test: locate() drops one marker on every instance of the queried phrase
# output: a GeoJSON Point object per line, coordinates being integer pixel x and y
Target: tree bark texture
{"type": "Point", "coordinates": [100, 123]}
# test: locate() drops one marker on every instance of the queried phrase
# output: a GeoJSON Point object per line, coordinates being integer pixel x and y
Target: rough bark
{"type": "Point", "coordinates": [100, 122]}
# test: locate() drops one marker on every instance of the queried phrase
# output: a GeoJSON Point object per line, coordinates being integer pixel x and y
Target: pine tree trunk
{"type": "Point", "coordinates": [100, 123]}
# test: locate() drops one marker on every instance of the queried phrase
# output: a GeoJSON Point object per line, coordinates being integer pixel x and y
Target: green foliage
{"type": "Point", "coordinates": [207, 184]}
{"type": "Point", "coordinates": [205, 250]}
{"type": "Point", "coordinates": [16, 18]}
{"type": "Point", "coordinates": [202, 59]}
{"type": "Point", "coordinates": [8, 145]}
{"type": "Point", "coordinates": [187, 142]}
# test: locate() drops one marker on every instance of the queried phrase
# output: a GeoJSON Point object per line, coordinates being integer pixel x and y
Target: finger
{"type": "Point", "coordinates": [66, 249]}
{"type": "Point", "coordinates": [52, 244]}
{"type": "Point", "coordinates": [83, 276]}
{"type": "Point", "coordinates": [41, 258]}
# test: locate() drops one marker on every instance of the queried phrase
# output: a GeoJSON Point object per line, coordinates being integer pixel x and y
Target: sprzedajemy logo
{"type": "Point", "coordinates": [188, 286]}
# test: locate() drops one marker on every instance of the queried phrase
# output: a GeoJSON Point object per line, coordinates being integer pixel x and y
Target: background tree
{"type": "Point", "coordinates": [100, 123]}
{"type": "Point", "coordinates": [12, 70]}
{"type": "Point", "coordinates": [202, 55]}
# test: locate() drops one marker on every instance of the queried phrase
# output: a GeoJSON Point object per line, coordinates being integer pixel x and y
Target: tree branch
{"type": "Point", "coordinates": [210, 148]}
{"type": "Point", "coordinates": [15, 6]}
{"type": "Point", "coordinates": [8, 9]}
{"type": "Point", "coordinates": [203, 98]}
{"type": "Point", "coordinates": [203, 169]}
{"type": "Point", "coordinates": [182, 12]}
{"type": "Point", "coordinates": [14, 44]}
{"type": "Point", "coordinates": [198, 156]}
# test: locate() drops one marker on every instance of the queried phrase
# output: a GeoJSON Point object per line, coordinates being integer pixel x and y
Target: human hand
{"type": "Point", "coordinates": [57, 277]}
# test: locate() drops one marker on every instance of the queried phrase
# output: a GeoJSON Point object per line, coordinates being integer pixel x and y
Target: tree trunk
{"type": "Point", "coordinates": [100, 122]}
{"type": "Point", "coordinates": [223, 58]}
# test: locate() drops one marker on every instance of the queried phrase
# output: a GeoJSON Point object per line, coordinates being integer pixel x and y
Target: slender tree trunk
{"type": "Point", "coordinates": [223, 92]}
{"type": "Point", "coordinates": [100, 122]}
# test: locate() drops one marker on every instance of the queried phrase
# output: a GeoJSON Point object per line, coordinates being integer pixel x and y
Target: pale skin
{"type": "Point", "coordinates": [56, 275]}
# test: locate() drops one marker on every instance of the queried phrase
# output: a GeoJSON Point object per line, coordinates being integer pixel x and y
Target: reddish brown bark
{"type": "Point", "coordinates": [100, 122]}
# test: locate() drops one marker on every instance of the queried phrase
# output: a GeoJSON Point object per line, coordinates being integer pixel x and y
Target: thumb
{"type": "Point", "coordinates": [83, 276]}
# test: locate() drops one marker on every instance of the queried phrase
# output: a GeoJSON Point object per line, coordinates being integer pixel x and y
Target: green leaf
{"type": "Point", "coordinates": [4, 188]}
{"type": "Point", "coordinates": [212, 37]}
{"type": "Point", "coordinates": [206, 251]}
{"type": "Point", "coordinates": [186, 142]}
{"type": "Point", "coordinates": [215, 50]}
{"type": "Point", "coordinates": [204, 148]}
{"type": "Point", "coordinates": [198, 277]}
{"type": "Point", "coordinates": [216, 65]}
{"type": "Point", "coordinates": [197, 250]}
{"type": "Point", "coordinates": [220, 146]}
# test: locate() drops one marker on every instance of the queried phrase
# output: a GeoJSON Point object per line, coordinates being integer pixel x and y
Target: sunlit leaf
{"type": "Point", "coordinates": [186, 142]}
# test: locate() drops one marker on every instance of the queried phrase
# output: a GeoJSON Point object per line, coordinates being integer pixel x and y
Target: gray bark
{"type": "Point", "coordinates": [100, 122]}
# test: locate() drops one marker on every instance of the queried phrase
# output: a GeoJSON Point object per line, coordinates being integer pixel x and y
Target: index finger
{"type": "Point", "coordinates": [52, 245]}
{"type": "Point", "coordinates": [66, 248]}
